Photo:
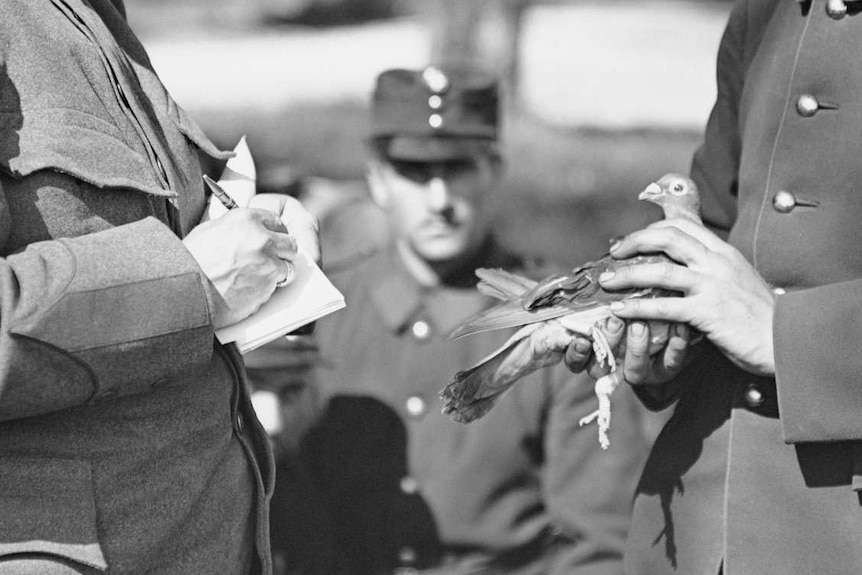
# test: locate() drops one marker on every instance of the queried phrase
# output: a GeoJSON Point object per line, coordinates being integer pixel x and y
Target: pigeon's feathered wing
{"type": "Point", "coordinates": [550, 312]}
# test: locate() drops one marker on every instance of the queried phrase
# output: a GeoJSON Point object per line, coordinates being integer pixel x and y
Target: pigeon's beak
{"type": "Point", "coordinates": [651, 190]}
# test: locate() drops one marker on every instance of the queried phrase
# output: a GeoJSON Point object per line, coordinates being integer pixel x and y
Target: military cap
{"type": "Point", "coordinates": [439, 113]}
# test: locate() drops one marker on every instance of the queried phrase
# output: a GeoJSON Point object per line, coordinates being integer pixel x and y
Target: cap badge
{"type": "Point", "coordinates": [435, 80]}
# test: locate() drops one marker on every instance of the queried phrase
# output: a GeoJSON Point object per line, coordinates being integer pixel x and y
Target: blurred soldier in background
{"type": "Point", "coordinates": [287, 403]}
{"type": "Point", "coordinates": [524, 490]}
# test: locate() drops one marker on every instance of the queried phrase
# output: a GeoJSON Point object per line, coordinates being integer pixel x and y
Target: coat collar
{"type": "Point", "coordinates": [400, 300]}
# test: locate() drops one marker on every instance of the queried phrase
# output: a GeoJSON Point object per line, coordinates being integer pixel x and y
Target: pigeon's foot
{"type": "Point", "coordinates": [602, 349]}
{"type": "Point", "coordinates": [605, 386]}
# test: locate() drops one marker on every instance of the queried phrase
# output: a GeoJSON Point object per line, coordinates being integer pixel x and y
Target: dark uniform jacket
{"type": "Point", "coordinates": [765, 474]}
{"type": "Point", "coordinates": [122, 443]}
{"type": "Point", "coordinates": [522, 490]}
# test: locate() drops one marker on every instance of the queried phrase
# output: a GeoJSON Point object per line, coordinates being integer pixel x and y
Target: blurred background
{"type": "Point", "coordinates": [602, 96]}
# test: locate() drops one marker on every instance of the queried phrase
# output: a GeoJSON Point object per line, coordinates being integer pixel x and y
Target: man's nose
{"type": "Point", "coordinates": [439, 196]}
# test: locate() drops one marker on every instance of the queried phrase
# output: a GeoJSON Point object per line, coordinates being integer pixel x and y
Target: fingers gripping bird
{"type": "Point", "coordinates": [551, 312]}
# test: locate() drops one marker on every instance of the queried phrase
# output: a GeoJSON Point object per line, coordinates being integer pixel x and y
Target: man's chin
{"type": "Point", "coordinates": [441, 251]}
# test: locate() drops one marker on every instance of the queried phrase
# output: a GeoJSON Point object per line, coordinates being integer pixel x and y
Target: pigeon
{"type": "Point", "coordinates": [550, 313]}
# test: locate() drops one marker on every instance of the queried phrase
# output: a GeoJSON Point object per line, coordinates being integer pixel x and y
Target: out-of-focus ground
{"type": "Point", "coordinates": [611, 95]}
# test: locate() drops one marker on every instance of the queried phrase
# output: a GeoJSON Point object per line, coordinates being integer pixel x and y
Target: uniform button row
{"type": "Point", "coordinates": [784, 202]}
{"type": "Point", "coordinates": [754, 396]}
{"type": "Point", "coordinates": [409, 485]}
{"type": "Point", "coordinates": [807, 105]}
{"type": "Point", "coordinates": [836, 9]}
{"type": "Point", "coordinates": [416, 406]}
{"type": "Point", "coordinates": [421, 330]}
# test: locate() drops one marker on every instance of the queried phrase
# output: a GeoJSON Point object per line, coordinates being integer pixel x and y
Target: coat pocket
{"type": "Point", "coordinates": [48, 508]}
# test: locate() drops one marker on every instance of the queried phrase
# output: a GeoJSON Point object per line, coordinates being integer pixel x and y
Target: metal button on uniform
{"type": "Point", "coordinates": [784, 202]}
{"type": "Point", "coordinates": [416, 406]}
{"type": "Point", "coordinates": [836, 9]}
{"type": "Point", "coordinates": [435, 102]}
{"type": "Point", "coordinates": [407, 555]}
{"type": "Point", "coordinates": [409, 485]}
{"type": "Point", "coordinates": [779, 291]}
{"type": "Point", "coordinates": [807, 105]}
{"type": "Point", "coordinates": [753, 396]}
{"type": "Point", "coordinates": [435, 121]}
{"type": "Point", "coordinates": [421, 330]}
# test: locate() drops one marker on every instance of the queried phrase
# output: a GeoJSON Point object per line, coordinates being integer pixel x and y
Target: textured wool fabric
{"type": "Point", "coordinates": [127, 439]}
{"type": "Point", "coordinates": [764, 474]}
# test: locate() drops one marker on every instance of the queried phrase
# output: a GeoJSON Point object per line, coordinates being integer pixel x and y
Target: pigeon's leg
{"type": "Point", "coordinates": [605, 386]}
{"type": "Point", "coordinates": [602, 349]}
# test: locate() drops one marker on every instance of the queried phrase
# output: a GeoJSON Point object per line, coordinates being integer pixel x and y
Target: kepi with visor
{"type": "Point", "coordinates": [437, 114]}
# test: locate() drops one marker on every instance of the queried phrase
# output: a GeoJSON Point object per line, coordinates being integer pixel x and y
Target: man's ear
{"type": "Point", "coordinates": [377, 183]}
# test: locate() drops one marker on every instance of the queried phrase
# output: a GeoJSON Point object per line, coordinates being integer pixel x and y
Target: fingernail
{"type": "Point", "coordinates": [606, 276]}
{"type": "Point", "coordinates": [614, 324]}
{"type": "Point", "coordinates": [638, 329]}
{"type": "Point", "coordinates": [615, 245]}
{"type": "Point", "coordinates": [618, 306]}
{"type": "Point", "coordinates": [583, 347]}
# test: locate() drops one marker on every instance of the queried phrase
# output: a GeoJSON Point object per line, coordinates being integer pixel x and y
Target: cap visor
{"type": "Point", "coordinates": [412, 148]}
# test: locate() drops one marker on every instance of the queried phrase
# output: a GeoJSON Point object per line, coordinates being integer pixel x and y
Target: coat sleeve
{"type": "Point", "coordinates": [819, 388]}
{"type": "Point", "coordinates": [588, 490]}
{"type": "Point", "coordinates": [715, 167]}
{"type": "Point", "coordinates": [95, 316]}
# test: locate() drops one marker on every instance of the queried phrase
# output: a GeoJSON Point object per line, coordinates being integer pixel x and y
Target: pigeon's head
{"type": "Point", "coordinates": [675, 194]}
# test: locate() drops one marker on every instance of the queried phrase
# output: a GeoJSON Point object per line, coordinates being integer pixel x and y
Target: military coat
{"type": "Point", "coordinates": [764, 474]}
{"type": "Point", "coordinates": [524, 488]}
{"type": "Point", "coordinates": [127, 441]}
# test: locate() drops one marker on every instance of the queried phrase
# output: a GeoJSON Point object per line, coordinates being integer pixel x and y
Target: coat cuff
{"type": "Point", "coordinates": [121, 309]}
{"type": "Point", "coordinates": [816, 335]}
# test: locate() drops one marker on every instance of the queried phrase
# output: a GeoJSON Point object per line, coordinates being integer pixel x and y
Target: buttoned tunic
{"type": "Point", "coordinates": [765, 474]}
{"type": "Point", "coordinates": [409, 488]}
{"type": "Point", "coordinates": [127, 441]}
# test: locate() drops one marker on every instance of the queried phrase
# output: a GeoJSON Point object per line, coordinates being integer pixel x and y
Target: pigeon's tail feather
{"type": "Point", "coordinates": [501, 284]}
{"type": "Point", "coordinates": [472, 392]}
{"type": "Point", "coordinates": [461, 410]}
{"type": "Point", "coordinates": [505, 315]}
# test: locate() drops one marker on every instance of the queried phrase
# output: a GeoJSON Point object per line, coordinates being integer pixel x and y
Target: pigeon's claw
{"type": "Point", "coordinates": [602, 349]}
{"type": "Point", "coordinates": [605, 386]}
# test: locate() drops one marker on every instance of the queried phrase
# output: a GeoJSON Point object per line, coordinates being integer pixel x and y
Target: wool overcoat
{"type": "Point", "coordinates": [523, 490]}
{"type": "Point", "coordinates": [127, 441]}
{"type": "Point", "coordinates": [764, 474]}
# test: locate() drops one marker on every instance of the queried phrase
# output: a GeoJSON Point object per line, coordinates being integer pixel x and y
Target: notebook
{"type": "Point", "coordinates": [307, 298]}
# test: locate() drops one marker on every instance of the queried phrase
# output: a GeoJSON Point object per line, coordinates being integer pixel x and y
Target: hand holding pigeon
{"type": "Point", "coordinates": [552, 312]}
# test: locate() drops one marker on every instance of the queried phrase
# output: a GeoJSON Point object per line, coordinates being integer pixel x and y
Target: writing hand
{"type": "Point", "coordinates": [299, 221]}
{"type": "Point", "coordinates": [244, 253]}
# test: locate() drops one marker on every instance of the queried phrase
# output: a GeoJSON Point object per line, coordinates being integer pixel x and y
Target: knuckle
{"type": "Point", "coordinates": [666, 271]}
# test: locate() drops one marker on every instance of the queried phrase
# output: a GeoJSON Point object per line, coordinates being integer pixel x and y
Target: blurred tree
{"type": "Point", "coordinates": [483, 32]}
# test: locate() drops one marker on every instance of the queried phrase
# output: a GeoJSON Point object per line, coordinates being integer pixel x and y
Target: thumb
{"type": "Point", "coordinates": [269, 220]}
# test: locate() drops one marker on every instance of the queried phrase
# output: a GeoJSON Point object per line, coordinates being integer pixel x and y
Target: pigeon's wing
{"type": "Point", "coordinates": [503, 285]}
{"type": "Point", "coordinates": [577, 287]}
{"type": "Point", "coordinates": [505, 315]}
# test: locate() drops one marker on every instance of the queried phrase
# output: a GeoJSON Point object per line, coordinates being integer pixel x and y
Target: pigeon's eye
{"type": "Point", "coordinates": [677, 189]}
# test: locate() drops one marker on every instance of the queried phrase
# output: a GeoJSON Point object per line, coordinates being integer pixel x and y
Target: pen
{"type": "Point", "coordinates": [219, 192]}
